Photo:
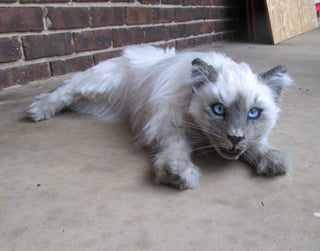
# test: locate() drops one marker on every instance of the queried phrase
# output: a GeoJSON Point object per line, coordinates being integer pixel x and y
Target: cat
{"type": "Point", "coordinates": [173, 101]}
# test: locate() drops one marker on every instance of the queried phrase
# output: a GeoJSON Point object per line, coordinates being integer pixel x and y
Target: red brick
{"type": "Point", "coordinates": [107, 16]}
{"type": "Point", "coordinates": [154, 33]}
{"type": "Point", "coordinates": [213, 38]}
{"type": "Point", "coordinates": [176, 31]}
{"type": "Point", "coordinates": [137, 15]}
{"type": "Point", "coordinates": [122, 1]}
{"type": "Point", "coordinates": [172, 1]}
{"type": "Point", "coordinates": [9, 49]}
{"type": "Point", "coordinates": [20, 19]}
{"type": "Point", "coordinates": [199, 2]}
{"type": "Point", "coordinates": [92, 40]}
{"type": "Point", "coordinates": [67, 18]}
{"type": "Point", "coordinates": [89, 1]}
{"type": "Point", "coordinates": [201, 13]}
{"type": "Point", "coordinates": [163, 15]}
{"type": "Point", "coordinates": [40, 46]}
{"type": "Point", "coordinates": [185, 43]}
{"type": "Point", "coordinates": [106, 55]}
{"type": "Point", "coordinates": [192, 2]}
{"type": "Point", "coordinates": [192, 29]}
{"type": "Point", "coordinates": [62, 67]}
{"type": "Point", "coordinates": [127, 36]}
{"type": "Point", "coordinates": [227, 2]}
{"type": "Point", "coordinates": [207, 27]}
{"type": "Point", "coordinates": [184, 14]}
{"type": "Point", "coordinates": [206, 13]}
{"type": "Point", "coordinates": [149, 1]}
{"type": "Point", "coordinates": [202, 40]}
{"type": "Point", "coordinates": [213, 13]}
{"type": "Point", "coordinates": [166, 45]}
{"type": "Point", "coordinates": [23, 74]}
{"type": "Point", "coordinates": [206, 2]}
{"type": "Point", "coordinates": [44, 1]}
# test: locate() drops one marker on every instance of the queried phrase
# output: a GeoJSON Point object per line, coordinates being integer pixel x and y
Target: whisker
{"type": "Point", "coordinates": [205, 153]}
{"type": "Point", "coordinates": [205, 149]}
{"type": "Point", "coordinates": [196, 126]}
{"type": "Point", "coordinates": [251, 157]}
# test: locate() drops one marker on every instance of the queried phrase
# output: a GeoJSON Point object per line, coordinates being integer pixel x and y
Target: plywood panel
{"type": "Point", "coordinates": [289, 18]}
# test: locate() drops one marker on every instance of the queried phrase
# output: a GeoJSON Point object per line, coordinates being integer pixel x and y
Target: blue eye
{"type": "Point", "coordinates": [218, 109]}
{"type": "Point", "coordinates": [254, 113]}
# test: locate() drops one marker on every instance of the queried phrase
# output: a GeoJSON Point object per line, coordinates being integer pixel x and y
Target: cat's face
{"type": "Point", "coordinates": [235, 108]}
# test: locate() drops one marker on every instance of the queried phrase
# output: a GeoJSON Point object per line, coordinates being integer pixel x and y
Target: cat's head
{"type": "Point", "coordinates": [234, 107]}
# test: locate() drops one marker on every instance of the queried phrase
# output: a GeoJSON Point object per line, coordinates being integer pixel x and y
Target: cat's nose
{"type": "Point", "coordinates": [235, 139]}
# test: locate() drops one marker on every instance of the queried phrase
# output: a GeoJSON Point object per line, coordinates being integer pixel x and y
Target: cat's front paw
{"type": "Point", "coordinates": [274, 162]}
{"type": "Point", "coordinates": [178, 174]}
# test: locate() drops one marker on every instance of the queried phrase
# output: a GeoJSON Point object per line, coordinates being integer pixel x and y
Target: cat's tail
{"type": "Point", "coordinates": [93, 91]}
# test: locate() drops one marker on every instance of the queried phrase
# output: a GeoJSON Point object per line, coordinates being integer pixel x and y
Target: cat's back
{"type": "Point", "coordinates": [145, 55]}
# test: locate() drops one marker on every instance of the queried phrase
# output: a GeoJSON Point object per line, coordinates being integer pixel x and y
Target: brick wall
{"type": "Point", "coordinates": [46, 38]}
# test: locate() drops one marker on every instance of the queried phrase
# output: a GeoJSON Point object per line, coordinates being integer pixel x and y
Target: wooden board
{"type": "Point", "coordinates": [289, 18]}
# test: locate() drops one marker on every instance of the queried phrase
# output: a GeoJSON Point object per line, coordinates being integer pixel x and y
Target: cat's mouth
{"type": "Point", "coordinates": [229, 154]}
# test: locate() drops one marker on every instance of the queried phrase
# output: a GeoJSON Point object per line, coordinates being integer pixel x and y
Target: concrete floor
{"type": "Point", "coordinates": [75, 183]}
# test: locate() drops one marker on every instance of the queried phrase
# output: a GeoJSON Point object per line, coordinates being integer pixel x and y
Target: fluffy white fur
{"type": "Point", "coordinates": [167, 99]}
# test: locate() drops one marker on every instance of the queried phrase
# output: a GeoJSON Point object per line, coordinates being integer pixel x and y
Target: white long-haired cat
{"type": "Point", "coordinates": [176, 101]}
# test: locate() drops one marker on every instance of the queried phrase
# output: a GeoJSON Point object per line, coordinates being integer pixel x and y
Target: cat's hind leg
{"type": "Point", "coordinates": [92, 85]}
{"type": "Point", "coordinates": [47, 105]}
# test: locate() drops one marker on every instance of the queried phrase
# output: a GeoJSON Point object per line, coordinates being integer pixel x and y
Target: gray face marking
{"type": "Point", "coordinates": [236, 117]}
{"type": "Point", "coordinates": [233, 132]}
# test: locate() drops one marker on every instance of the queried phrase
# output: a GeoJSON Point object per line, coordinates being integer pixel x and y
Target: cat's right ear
{"type": "Point", "coordinates": [202, 73]}
{"type": "Point", "coordinates": [275, 79]}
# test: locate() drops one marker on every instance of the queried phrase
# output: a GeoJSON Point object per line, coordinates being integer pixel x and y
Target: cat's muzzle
{"type": "Point", "coordinates": [229, 153]}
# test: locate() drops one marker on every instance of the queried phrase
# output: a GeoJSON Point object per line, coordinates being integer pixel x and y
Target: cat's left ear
{"type": "Point", "coordinates": [202, 73]}
{"type": "Point", "coordinates": [275, 79]}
